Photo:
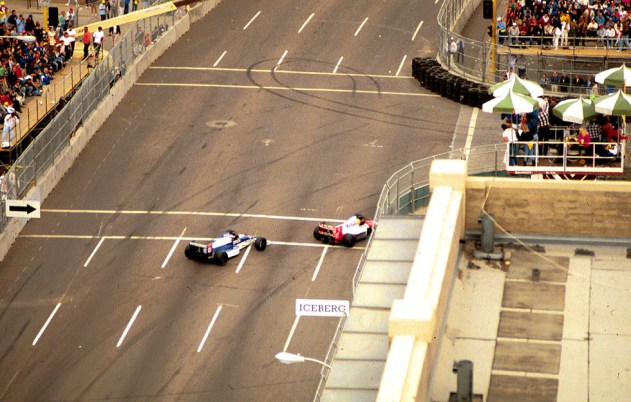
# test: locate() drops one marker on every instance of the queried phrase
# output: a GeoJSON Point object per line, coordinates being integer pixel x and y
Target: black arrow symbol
{"type": "Point", "coordinates": [28, 208]}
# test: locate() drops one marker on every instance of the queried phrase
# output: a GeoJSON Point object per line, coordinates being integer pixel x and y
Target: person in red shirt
{"type": "Point", "coordinates": [611, 133]}
{"type": "Point", "coordinates": [87, 38]}
{"type": "Point", "coordinates": [17, 70]}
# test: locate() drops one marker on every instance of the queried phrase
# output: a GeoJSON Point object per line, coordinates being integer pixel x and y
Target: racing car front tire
{"type": "Point", "coordinates": [316, 233]}
{"type": "Point", "coordinates": [260, 243]}
{"type": "Point", "coordinates": [349, 240]}
{"type": "Point", "coordinates": [221, 258]}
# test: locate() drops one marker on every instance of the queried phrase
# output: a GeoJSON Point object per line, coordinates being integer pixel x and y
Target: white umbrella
{"type": "Point", "coordinates": [510, 103]}
{"type": "Point", "coordinates": [517, 85]}
{"type": "Point", "coordinates": [615, 104]}
{"type": "Point", "coordinates": [575, 110]}
{"type": "Point", "coordinates": [620, 76]}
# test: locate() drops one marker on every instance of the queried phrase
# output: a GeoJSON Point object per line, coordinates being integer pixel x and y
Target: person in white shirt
{"type": "Point", "coordinates": [9, 130]}
{"type": "Point", "coordinates": [97, 40]}
{"type": "Point", "coordinates": [509, 135]}
{"type": "Point", "coordinates": [610, 34]}
{"type": "Point", "coordinates": [66, 46]}
{"type": "Point", "coordinates": [72, 34]}
{"type": "Point", "coordinates": [556, 35]}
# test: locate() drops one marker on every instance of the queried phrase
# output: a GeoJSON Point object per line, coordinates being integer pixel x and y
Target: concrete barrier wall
{"type": "Point", "coordinates": [93, 123]}
{"type": "Point", "coordinates": [467, 11]}
{"type": "Point", "coordinates": [415, 322]}
{"type": "Point", "coordinates": [552, 207]}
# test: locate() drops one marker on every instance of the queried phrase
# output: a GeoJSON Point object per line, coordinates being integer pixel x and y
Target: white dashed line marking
{"type": "Point", "coordinates": [306, 22]}
{"type": "Point", "coordinates": [245, 255]}
{"type": "Point", "coordinates": [133, 318]}
{"type": "Point", "coordinates": [291, 333]}
{"type": "Point", "coordinates": [338, 64]}
{"type": "Point", "coordinates": [252, 20]}
{"type": "Point", "coordinates": [401, 65]}
{"type": "Point", "coordinates": [361, 26]}
{"type": "Point", "coordinates": [177, 241]}
{"type": "Point", "coordinates": [315, 273]}
{"type": "Point", "coordinates": [94, 252]}
{"type": "Point", "coordinates": [212, 322]}
{"type": "Point", "coordinates": [50, 317]}
{"type": "Point", "coordinates": [417, 29]}
{"type": "Point", "coordinates": [220, 57]}
{"type": "Point", "coordinates": [280, 61]}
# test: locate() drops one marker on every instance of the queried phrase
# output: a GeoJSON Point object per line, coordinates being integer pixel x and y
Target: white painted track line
{"type": "Point", "coordinates": [361, 26]}
{"type": "Point", "coordinates": [192, 213]}
{"type": "Point", "coordinates": [245, 255]}
{"type": "Point", "coordinates": [401, 65]}
{"type": "Point", "coordinates": [133, 318]}
{"type": "Point", "coordinates": [50, 317]}
{"type": "Point", "coordinates": [94, 252]}
{"type": "Point", "coordinates": [291, 89]}
{"type": "Point", "coordinates": [171, 238]}
{"type": "Point", "coordinates": [315, 273]}
{"type": "Point", "coordinates": [269, 71]}
{"type": "Point", "coordinates": [291, 333]}
{"type": "Point", "coordinates": [306, 22]}
{"type": "Point", "coordinates": [282, 58]}
{"type": "Point", "coordinates": [220, 57]}
{"type": "Point", "coordinates": [338, 64]}
{"type": "Point", "coordinates": [210, 326]}
{"type": "Point", "coordinates": [177, 241]}
{"type": "Point", "coordinates": [420, 24]}
{"type": "Point", "coordinates": [252, 20]}
{"type": "Point", "coordinates": [470, 132]}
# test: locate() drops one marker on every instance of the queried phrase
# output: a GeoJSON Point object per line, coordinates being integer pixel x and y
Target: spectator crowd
{"type": "Point", "coordinates": [27, 65]}
{"type": "Point", "coordinates": [565, 23]}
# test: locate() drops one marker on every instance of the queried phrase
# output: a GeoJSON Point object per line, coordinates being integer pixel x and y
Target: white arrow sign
{"type": "Point", "coordinates": [22, 209]}
{"type": "Point", "coordinates": [322, 308]}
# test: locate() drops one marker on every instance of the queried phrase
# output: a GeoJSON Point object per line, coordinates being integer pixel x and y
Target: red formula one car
{"type": "Point", "coordinates": [348, 233]}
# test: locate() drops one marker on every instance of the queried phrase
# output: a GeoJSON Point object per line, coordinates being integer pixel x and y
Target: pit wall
{"type": "Point", "coordinates": [564, 208]}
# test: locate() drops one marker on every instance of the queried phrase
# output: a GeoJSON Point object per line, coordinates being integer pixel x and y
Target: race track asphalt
{"type": "Point", "coordinates": [97, 300]}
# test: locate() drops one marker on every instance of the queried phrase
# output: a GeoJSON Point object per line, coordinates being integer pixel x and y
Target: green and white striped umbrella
{"type": "Point", "coordinates": [615, 104]}
{"type": "Point", "coordinates": [510, 103]}
{"type": "Point", "coordinates": [517, 85]}
{"type": "Point", "coordinates": [620, 76]}
{"type": "Point", "coordinates": [575, 110]}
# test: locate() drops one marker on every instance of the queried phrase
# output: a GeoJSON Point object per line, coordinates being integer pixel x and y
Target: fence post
{"type": "Point", "coordinates": [412, 195]}
{"type": "Point", "coordinates": [484, 56]}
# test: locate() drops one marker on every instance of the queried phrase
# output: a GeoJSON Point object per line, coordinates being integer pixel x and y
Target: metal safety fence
{"type": "Point", "coordinates": [42, 152]}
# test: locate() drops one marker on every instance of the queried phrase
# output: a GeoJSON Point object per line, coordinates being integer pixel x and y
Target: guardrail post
{"type": "Point", "coordinates": [412, 195]}
{"type": "Point", "coordinates": [396, 211]}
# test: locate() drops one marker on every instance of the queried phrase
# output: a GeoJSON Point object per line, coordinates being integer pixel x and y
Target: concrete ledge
{"type": "Point", "coordinates": [408, 318]}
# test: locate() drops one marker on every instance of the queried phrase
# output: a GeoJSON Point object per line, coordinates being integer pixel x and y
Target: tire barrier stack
{"type": "Point", "coordinates": [434, 77]}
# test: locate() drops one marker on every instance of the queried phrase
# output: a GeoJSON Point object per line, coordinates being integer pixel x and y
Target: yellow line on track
{"type": "Point", "coordinates": [354, 91]}
{"type": "Point", "coordinates": [278, 71]}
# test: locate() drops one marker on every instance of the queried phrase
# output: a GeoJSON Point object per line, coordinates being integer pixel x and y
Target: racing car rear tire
{"type": "Point", "coordinates": [260, 243]}
{"type": "Point", "coordinates": [221, 258]}
{"type": "Point", "coordinates": [348, 240]}
{"type": "Point", "coordinates": [316, 233]}
{"type": "Point", "coordinates": [187, 252]}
